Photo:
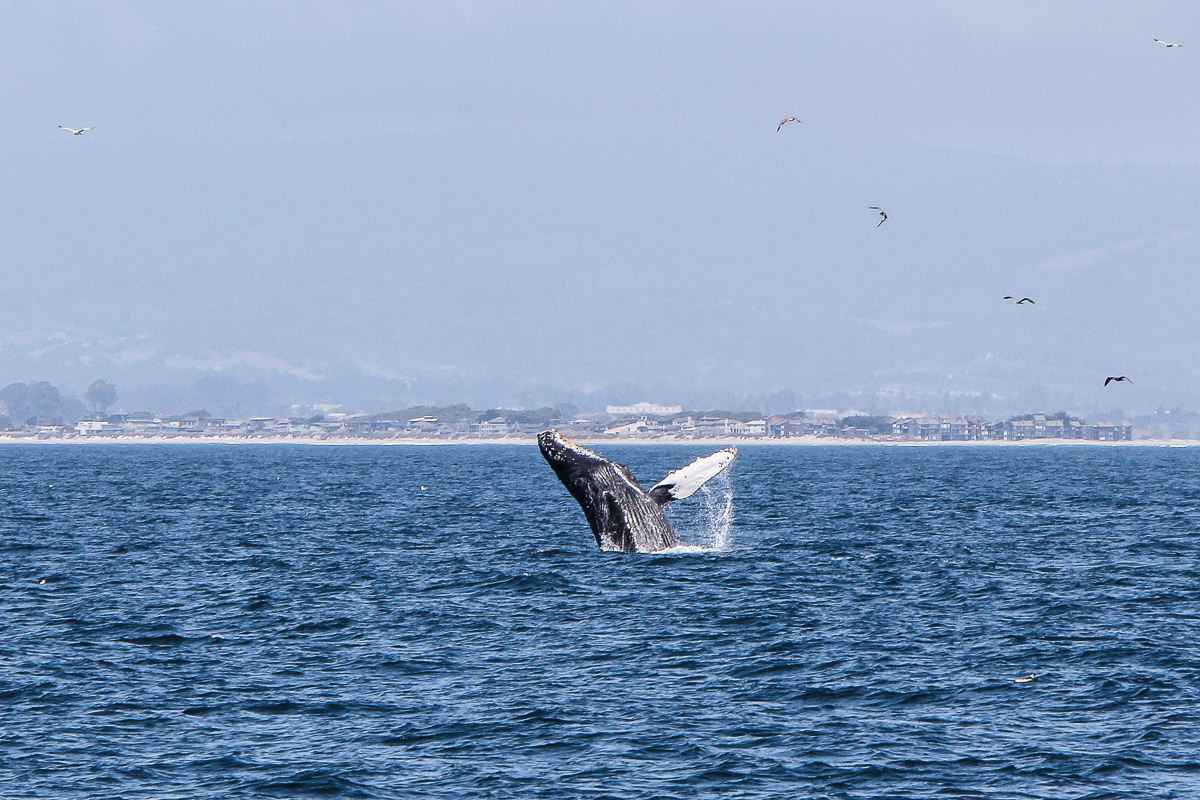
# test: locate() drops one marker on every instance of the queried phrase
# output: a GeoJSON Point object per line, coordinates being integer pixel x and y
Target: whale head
{"type": "Point", "coordinates": [565, 456]}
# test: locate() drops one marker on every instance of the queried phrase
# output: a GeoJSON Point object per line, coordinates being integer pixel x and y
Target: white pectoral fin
{"type": "Point", "coordinates": [684, 481]}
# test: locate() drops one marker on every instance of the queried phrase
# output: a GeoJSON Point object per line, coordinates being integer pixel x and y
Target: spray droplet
{"type": "Point", "coordinates": [718, 510]}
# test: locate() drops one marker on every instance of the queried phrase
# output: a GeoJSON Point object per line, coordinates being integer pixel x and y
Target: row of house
{"type": "Point", "coordinates": [143, 423]}
{"type": "Point", "coordinates": [146, 424]}
{"type": "Point", "coordinates": [774, 427]}
{"type": "Point", "coordinates": [944, 428]}
{"type": "Point", "coordinates": [939, 428]}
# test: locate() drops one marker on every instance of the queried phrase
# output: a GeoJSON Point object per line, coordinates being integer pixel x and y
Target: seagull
{"type": "Point", "coordinates": [76, 131]}
{"type": "Point", "coordinates": [785, 122]}
{"type": "Point", "coordinates": [881, 213]}
{"type": "Point", "coordinates": [1168, 44]}
{"type": "Point", "coordinates": [1022, 300]}
{"type": "Point", "coordinates": [1118, 378]}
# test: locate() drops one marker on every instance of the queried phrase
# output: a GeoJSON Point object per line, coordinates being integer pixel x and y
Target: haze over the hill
{"type": "Point", "coordinates": [529, 203]}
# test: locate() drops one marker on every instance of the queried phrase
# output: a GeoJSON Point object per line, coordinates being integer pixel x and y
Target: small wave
{"type": "Point", "coordinates": [311, 783]}
{"type": "Point", "coordinates": [451, 732]}
{"type": "Point", "coordinates": [201, 711]}
{"type": "Point", "coordinates": [418, 666]}
{"type": "Point", "coordinates": [278, 707]}
{"type": "Point", "coordinates": [28, 691]}
{"type": "Point", "coordinates": [220, 763]}
{"type": "Point", "coordinates": [319, 625]}
{"type": "Point", "coordinates": [164, 640]}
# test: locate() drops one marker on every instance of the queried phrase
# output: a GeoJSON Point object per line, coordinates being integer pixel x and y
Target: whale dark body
{"type": "Point", "coordinates": [624, 516]}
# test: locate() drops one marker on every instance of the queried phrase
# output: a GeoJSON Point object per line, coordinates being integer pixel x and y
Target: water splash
{"type": "Point", "coordinates": [705, 527]}
{"type": "Point", "coordinates": [717, 495]}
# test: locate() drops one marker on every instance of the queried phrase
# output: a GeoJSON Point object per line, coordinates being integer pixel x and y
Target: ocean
{"type": "Point", "coordinates": [279, 621]}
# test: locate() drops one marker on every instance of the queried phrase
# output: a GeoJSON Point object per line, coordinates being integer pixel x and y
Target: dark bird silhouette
{"type": "Point", "coordinates": [1022, 300]}
{"type": "Point", "coordinates": [1168, 44]}
{"type": "Point", "coordinates": [785, 122]}
{"type": "Point", "coordinates": [76, 131]}
{"type": "Point", "coordinates": [881, 213]}
{"type": "Point", "coordinates": [1111, 378]}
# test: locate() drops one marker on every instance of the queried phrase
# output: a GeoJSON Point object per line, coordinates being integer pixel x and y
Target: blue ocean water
{"type": "Point", "coordinates": [297, 621]}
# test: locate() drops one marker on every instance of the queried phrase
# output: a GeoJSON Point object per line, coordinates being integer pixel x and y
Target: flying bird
{"type": "Point", "coordinates": [1111, 378]}
{"type": "Point", "coordinates": [76, 131]}
{"type": "Point", "coordinates": [1168, 44]}
{"type": "Point", "coordinates": [881, 213]}
{"type": "Point", "coordinates": [1022, 300]}
{"type": "Point", "coordinates": [785, 122]}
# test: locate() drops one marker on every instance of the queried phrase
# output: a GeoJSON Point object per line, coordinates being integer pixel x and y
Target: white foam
{"type": "Point", "coordinates": [684, 549]}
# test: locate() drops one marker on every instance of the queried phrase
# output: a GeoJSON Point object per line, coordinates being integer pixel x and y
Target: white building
{"type": "Point", "coordinates": [642, 409]}
{"type": "Point", "coordinates": [491, 427]}
{"type": "Point", "coordinates": [91, 426]}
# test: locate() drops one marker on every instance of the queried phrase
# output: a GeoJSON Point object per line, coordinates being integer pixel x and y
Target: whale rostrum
{"type": "Point", "coordinates": [624, 516]}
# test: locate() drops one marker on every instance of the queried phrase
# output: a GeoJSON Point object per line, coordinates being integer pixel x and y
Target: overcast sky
{"type": "Point", "coordinates": [576, 194]}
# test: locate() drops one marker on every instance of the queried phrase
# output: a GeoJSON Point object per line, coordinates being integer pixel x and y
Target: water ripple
{"type": "Point", "coordinates": [250, 622]}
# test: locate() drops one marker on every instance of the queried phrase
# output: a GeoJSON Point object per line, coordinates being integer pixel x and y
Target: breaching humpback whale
{"type": "Point", "coordinates": [622, 514]}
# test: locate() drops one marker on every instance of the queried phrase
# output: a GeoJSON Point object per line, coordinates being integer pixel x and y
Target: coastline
{"type": "Point", "coordinates": [716, 441]}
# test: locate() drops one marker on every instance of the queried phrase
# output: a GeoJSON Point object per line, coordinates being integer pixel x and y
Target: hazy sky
{"type": "Point", "coordinates": [575, 194]}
